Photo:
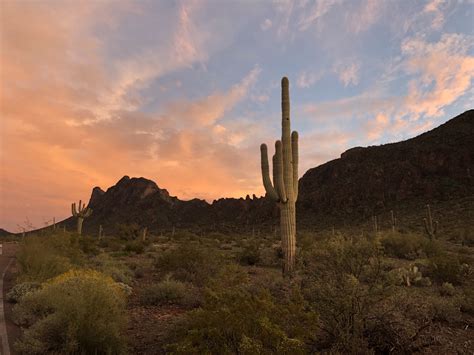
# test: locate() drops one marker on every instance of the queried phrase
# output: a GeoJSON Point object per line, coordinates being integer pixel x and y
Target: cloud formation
{"type": "Point", "coordinates": [185, 93]}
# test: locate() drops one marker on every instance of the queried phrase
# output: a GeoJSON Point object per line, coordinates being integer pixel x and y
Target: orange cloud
{"type": "Point", "coordinates": [68, 122]}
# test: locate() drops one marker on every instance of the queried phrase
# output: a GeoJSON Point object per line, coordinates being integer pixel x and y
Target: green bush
{"type": "Point", "coordinates": [20, 290]}
{"type": "Point", "coordinates": [182, 234]}
{"type": "Point", "coordinates": [407, 321]}
{"type": "Point", "coordinates": [239, 321]}
{"type": "Point", "coordinates": [169, 291]}
{"type": "Point", "coordinates": [110, 243]}
{"type": "Point", "coordinates": [446, 268]}
{"type": "Point", "coordinates": [467, 300]}
{"type": "Point", "coordinates": [344, 280]}
{"type": "Point", "coordinates": [79, 312]}
{"type": "Point", "coordinates": [41, 258]}
{"type": "Point", "coordinates": [408, 246]}
{"type": "Point", "coordinates": [89, 245]}
{"type": "Point", "coordinates": [447, 289]}
{"type": "Point", "coordinates": [128, 231]}
{"type": "Point", "coordinates": [135, 246]}
{"type": "Point", "coordinates": [190, 264]}
{"type": "Point", "coordinates": [250, 255]}
{"type": "Point", "coordinates": [116, 269]}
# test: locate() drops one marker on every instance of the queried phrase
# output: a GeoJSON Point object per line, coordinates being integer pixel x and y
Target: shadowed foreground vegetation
{"type": "Point", "coordinates": [222, 294]}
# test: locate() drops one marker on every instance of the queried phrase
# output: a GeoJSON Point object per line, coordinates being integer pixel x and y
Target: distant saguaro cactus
{"type": "Point", "coordinates": [394, 221]}
{"type": "Point", "coordinates": [101, 231]}
{"type": "Point", "coordinates": [375, 224]}
{"type": "Point", "coordinates": [81, 212]}
{"type": "Point", "coordinates": [144, 231]}
{"type": "Point", "coordinates": [284, 189]}
{"type": "Point", "coordinates": [430, 228]}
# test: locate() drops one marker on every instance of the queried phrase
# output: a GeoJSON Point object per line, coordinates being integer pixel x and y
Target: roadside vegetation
{"type": "Point", "coordinates": [388, 292]}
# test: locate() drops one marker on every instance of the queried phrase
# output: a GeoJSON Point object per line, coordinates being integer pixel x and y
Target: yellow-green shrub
{"type": "Point", "coordinates": [191, 264]}
{"type": "Point", "coordinates": [240, 321]}
{"type": "Point", "coordinates": [170, 291]}
{"type": "Point", "coordinates": [409, 246]}
{"type": "Point", "coordinates": [80, 312]}
{"type": "Point", "coordinates": [42, 258]}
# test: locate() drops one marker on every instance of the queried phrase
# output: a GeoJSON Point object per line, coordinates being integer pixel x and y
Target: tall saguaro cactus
{"type": "Point", "coordinates": [81, 212]}
{"type": "Point", "coordinates": [284, 189]}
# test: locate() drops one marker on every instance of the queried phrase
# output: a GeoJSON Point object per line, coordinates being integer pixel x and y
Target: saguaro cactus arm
{"type": "Point", "coordinates": [267, 183]}
{"type": "Point", "coordinates": [278, 171]}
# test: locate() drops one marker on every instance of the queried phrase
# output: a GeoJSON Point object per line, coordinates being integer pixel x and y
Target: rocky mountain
{"type": "Point", "coordinates": [140, 201]}
{"type": "Point", "coordinates": [436, 167]}
{"type": "Point", "coordinates": [433, 168]}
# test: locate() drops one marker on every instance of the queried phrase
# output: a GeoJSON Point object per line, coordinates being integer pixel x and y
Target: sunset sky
{"type": "Point", "coordinates": [184, 92]}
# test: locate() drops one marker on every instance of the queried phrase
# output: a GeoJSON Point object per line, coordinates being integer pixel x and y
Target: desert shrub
{"type": "Point", "coordinates": [269, 256]}
{"type": "Point", "coordinates": [407, 321]}
{"type": "Point", "coordinates": [126, 289]}
{"type": "Point", "coordinates": [236, 320]}
{"type": "Point", "coordinates": [80, 312]}
{"type": "Point", "coordinates": [169, 291]}
{"type": "Point", "coordinates": [183, 234]}
{"type": "Point", "coordinates": [446, 268]}
{"type": "Point", "coordinates": [135, 246]}
{"type": "Point", "coordinates": [88, 245]}
{"type": "Point", "coordinates": [409, 246]}
{"type": "Point", "coordinates": [117, 270]}
{"type": "Point", "coordinates": [110, 243]}
{"type": "Point", "coordinates": [191, 264]}
{"type": "Point", "coordinates": [250, 254]}
{"type": "Point", "coordinates": [447, 289]}
{"type": "Point", "coordinates": [344, 280]}
{"type": "Point", "coordinates": [433, 248]}
{"type": "Point", "coordinates": [20, 290]}
{"type": "Point", "coordinates": [41, 258]}
{"type": "Point", "coordinates": [467, 300]}
{"type": "Point", "coordinates": [219, 236]}
{"type": "Point", "coordinates": [139, 272]}
{"type": "Point", "coordinates": [128, 231]}
{"type": "Point", "coordinates": [306, 240]}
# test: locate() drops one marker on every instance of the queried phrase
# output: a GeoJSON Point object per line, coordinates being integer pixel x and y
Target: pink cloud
{"type": "Point", "coordinates": [444, 72]}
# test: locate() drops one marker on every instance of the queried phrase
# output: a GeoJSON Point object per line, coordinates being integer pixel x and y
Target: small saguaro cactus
{"type": "Point", "coordinates": [375, 224]}
{"type": "Point", "coordinates": [81, 212]}
{"type": "Point", "coordinates": [144, 231]}
{"type": "Point", "coordinates": [394, 221]}
{"type": "Point", "coordinates": [101, 231]}
{"type": "Point", "coordinates": [284, 189]}
{"type": "Point", "coordinates": [430, 227]}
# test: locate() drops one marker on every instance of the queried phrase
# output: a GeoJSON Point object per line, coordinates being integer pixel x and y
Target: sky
{"type": "Point", "coordinates": [184, 92]}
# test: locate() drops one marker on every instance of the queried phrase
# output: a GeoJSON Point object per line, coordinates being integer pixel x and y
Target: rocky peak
{"type": "Point", "coordinates": [96, 195]}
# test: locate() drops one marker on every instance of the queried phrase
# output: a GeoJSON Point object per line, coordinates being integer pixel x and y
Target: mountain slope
{"type": "Point", "coordinates": [433, 167]}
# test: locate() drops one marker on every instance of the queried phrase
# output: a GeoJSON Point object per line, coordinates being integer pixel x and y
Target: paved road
{"type": "Point", "coordinates": [7, 255]}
